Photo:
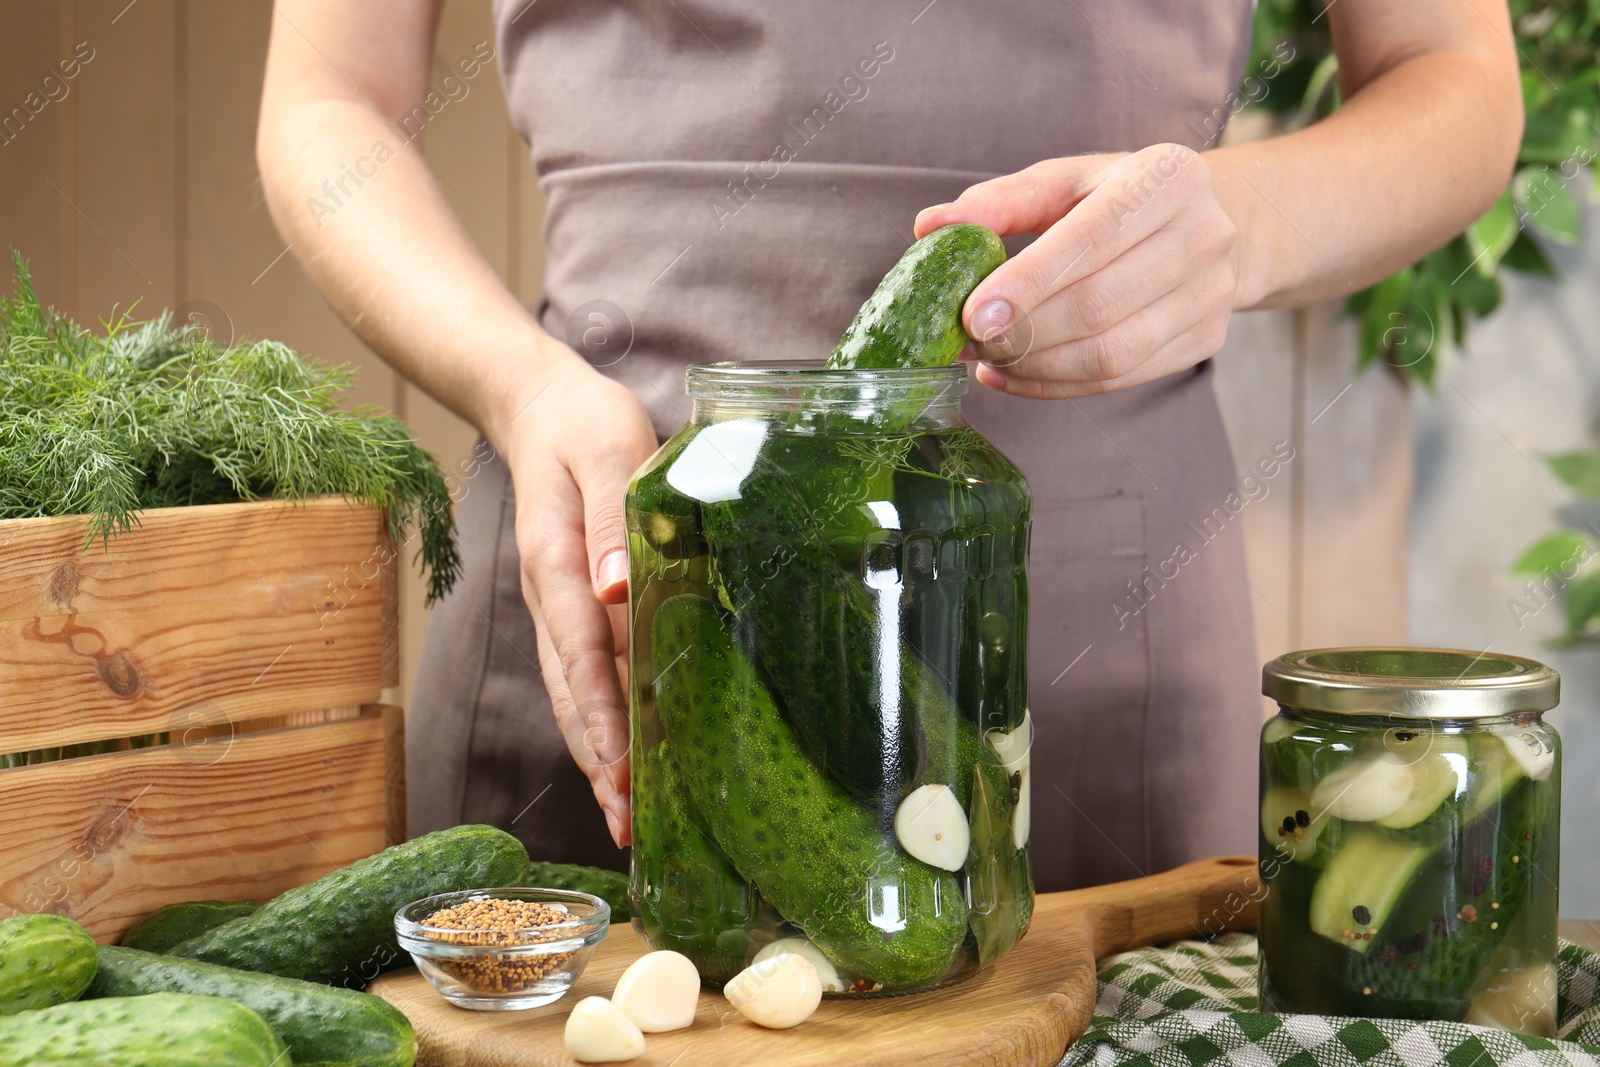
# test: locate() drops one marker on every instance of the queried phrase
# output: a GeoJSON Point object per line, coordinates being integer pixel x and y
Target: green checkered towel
{"type": "Point", "coordinates": [1193, 1004]}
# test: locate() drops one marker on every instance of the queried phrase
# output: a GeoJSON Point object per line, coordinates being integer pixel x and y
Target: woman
{"type": "Point", "coordinates": [729, 180]}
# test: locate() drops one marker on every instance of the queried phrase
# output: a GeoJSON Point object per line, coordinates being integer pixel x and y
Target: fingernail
{"type": "Point", "coordinates": [614, 824]}
{"type": "Point", "coordinates": [990, 320]}
{"type": "Point", "coordinates": [994, 379]}
{"type": "Point", "coordinates": [969, 352]}
{"type": "Point", "coordinates": [613, 570]}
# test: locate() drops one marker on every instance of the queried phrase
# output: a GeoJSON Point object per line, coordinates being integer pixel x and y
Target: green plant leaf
{"type": "Point", "coordinates": [1555, 555]}
{"type": "Point", "coordinates": [1583, 602]}
{"type": "Point", "coordinates": [1555, 138]}
{"type": "Point", "coordinates": [1547, 203]}
{"type": "Point", "coordinates": [1526, 256]}
{"type": "Point", "coordinates": [1580, 470]}
{"type": "Point", "coordinates": [1493, 235]}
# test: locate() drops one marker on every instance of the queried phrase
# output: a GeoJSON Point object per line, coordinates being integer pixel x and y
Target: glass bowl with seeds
{"type": "Point", "coordinates": [502, 949]}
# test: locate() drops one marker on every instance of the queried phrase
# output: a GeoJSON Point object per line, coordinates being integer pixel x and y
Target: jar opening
{"type": "Point", "coordinates": [810, 380]}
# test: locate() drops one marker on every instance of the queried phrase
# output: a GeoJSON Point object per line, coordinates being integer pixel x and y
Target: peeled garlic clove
{"type": "Point", "coordinates": [931, 825]}
{"type": "Point", "coordinates": [1532, 751]}
{"type": "Point", "coordinates": [827, 973]}
{"type": "Point", "coordinates": [659, 992]}
{"type": "Point", "coordinates": [1022, 814]}
{"type": "Point", "coordinates": [1012, 748]}
{"type": "Point", "coordinates": [598, 1032]}
{"type": "Point", "coordinates": [779, 992]}
{"type": "Point", "coordinates": [1368, 790]}
{"type": "Point", "coordinates": [1524, 1002]}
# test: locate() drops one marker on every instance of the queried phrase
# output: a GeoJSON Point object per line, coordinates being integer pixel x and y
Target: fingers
{"type": "Point", "coordinates": [1122, 211]}
{"type": "Point", "coordinates": [1028, 201]}
{"type": "Point", "coordinates": [602, 475]}
{"type": "Point", "coordinates": [580, 670]}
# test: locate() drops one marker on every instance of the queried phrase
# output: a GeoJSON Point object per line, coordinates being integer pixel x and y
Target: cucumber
{"type": "Point", "coordinates": [321, 1026]}
{"type": "Point", "coordinates": [165, 927]}
{"type": "Point", "coordinates": [913, 318]}
{"type": "Point", "coordinates": [339, 929]}
{"type": "Point", "coordinates": [1439, 773]}
{"type": "Point", "coordinates": [1449, 952]}
{"type": "Point", "coordinates": [160, 1030]}
{"type": "Point", "coordinates": [820, 860]}
{"type": "Point", "coordinates": [44, 960]}
{"type": "Point", "coordinates": [610, 886]}
{"type": "Point", "coordinates": [1367, 875]}
{"type": "Point", "coordinates": [690, 899]}
{"type": "Point", "coordinates": [999, 875]}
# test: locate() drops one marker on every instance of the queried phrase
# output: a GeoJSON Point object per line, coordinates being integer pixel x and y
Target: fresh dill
{"type": "Point", "coordinates": [152, 414]}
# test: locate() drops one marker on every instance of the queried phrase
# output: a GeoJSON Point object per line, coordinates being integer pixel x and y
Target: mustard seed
{"type": "Point", "coordinates": [492, 921]}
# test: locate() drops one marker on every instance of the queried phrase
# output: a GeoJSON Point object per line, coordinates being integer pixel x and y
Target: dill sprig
{"type": "Point", "coordinates": [151, 414]}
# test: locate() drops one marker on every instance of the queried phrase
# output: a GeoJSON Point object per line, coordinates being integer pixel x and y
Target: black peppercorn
{"type": "Point", "coordinates": [1360, 914]}
{"type": "Point", "coordinates": [1288, 824]}
{"type": "Point", "coordinates": [1302, 819]}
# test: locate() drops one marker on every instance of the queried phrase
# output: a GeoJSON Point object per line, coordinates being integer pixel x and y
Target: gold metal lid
{"type": "Point", "coordinates": [1412, 683]}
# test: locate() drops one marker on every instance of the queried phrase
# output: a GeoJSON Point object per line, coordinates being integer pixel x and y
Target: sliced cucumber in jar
{"type": "Point", "coordinates": [1290, 822]}
{"type": "Point", "coordinates": [1367, 790]}
{"type": "Point", "coordinates": [1361, 884]}
{"type": "Point", "coordinates": [1439, 768]}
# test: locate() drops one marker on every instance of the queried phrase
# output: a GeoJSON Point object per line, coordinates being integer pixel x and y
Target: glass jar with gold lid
{"type": "Point", "coordinates": [1410, 810]}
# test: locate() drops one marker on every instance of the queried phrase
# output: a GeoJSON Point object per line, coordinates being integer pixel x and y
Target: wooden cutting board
{"type": "Point", "coordinates": [1023, 1011]}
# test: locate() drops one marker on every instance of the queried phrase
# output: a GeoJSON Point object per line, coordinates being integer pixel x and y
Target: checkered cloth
{"type": "Point", "coordinates": [1193, 1004]}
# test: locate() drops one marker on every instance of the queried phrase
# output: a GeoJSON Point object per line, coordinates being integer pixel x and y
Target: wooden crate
{"type": "Point", "coordinates": [258, 639]}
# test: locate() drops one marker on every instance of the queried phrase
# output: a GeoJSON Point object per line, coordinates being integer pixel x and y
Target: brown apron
{"type": "Point", "coordinates": [735, 178]}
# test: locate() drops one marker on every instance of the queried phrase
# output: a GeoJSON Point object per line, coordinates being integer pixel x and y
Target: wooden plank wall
{"type": "Point", "coordinates": [141, 183]}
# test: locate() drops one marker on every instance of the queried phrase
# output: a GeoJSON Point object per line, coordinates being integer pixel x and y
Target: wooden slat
{"type": "Point", "coordinates": [222, 612]}
{"type": "Point", "coordinates": [107, 839]}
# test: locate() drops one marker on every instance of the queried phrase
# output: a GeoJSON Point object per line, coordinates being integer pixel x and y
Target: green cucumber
{"type": "Point", "coordinates": [1439, 773]}
{"type": "Point", "coordinates": [913, 318]}
{"type": "Point", "coordinates": [339, 929]}
{"type": "Point", "coordinates": [321, 1026]}
{"type": "Point", "coordinates": [160, 1030]}
{"type": "Point", "coordinates": [176, 923]}
{"type": "Point", "coordinates": [814, 855]}
{"type": "Point", "coordinates": [689, 898]}
{"type": "Point", "coordinates": [610, 886]}
{"type": "Point", "coordinates": [999, 875]}
{"type": "Point", "coordinates": [1504, 859]}
{"type": "Point", "coordinates": [44, 960]}
{"type": "Point", "coordinates": [1369, 871]}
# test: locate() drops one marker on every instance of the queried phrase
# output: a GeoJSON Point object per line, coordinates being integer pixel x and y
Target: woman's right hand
{"type": "Point", "coordinates": [573, 440]}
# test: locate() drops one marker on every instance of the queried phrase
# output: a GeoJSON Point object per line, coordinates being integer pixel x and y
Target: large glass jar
{"type": "Point", "coordinates": [1410, 811]}
{"type": "Point", "coordinates": [829, 679]}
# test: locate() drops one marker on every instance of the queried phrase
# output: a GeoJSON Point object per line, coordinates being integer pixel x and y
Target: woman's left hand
{"type": "Point", "coordinates": [1132, 277]}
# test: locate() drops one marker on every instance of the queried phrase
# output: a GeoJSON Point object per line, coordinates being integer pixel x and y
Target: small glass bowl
{"type": "Point", "coordinates": [521, 968]}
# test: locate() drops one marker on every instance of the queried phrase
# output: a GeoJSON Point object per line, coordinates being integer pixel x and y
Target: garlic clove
{"type": "Point", "coordinates": [1532, 751]}
{"type": "Point", "coordinates": [779, 992]}
{"type": "Point", "coordinates": [659, 992]}
{"type": "Point", "coordinates": [1524, 1002]}
{"type": "Point", "coordinates": [1367, 790]}
{"type": "Point", "coordinates": [931, 825]}
{"type": "Point", "coordinates": [598, 1032]}
{"type": "Point", "coordinates": [1012, 749]}
{"type": "Point", "coordinates": [1022, 814]}
{"type": "Point", "coordinates": [827, 973]}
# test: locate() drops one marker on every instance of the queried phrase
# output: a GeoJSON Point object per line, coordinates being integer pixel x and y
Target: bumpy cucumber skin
{"type": "Point", "coordinates": [159, 1030]}
{"type": "Point", "coordinates": [913, 318]}
{"type": "Point", "coordinates": [689, 898]}
{"type": "Point", "coordinates": [800, 838]}
{"type": "Point", "coordinates": [321, 1026]}
{"type": "Point", "coordinates": [339, 929]}
{"type": "Point", "coordinates": [609, 886]}
{"type": "Point", "coordinates": [44, 960]}
{"type": "Point", "coordinates": [176, 923]}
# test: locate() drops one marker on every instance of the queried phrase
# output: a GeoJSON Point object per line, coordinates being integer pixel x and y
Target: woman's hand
{"type": "Point", "coordinates": [1132, 277]}
{"type": "Point", "coordinates": [573, 442]}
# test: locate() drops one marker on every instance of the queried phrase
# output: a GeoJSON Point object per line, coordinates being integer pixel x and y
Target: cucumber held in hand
{"type": "Point", "coordinates": [815, 856]}
{"type": "Point", "coordinates": [322, 1026]}
{"type": "Point", "coordinates": [913, 318]}
{"type": "Point", "coordinates": [160, 1030]}
{"type": "Point", "coordinates": [174, 924]}
{"type": "Point", "coordinates": [340, 928]}
{"type": "Point", "coordinates": [44, 960]}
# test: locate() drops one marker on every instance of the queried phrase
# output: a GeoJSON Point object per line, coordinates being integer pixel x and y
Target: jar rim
{"type": "Point", "coordinates": [750, 379]}
{"type": "Point", "coordinates": [1411, 683]}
